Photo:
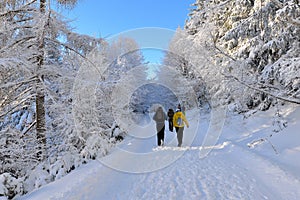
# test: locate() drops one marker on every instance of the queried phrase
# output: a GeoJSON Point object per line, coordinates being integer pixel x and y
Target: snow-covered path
{"type": "Point", "coordinates": [230, 171]}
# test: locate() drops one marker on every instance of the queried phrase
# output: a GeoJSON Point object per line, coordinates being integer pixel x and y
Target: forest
{"type": "Point", "coordinates": [57, 86]}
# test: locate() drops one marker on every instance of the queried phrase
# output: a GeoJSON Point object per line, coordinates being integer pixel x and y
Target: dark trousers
{"type": "Point", "coordinates": [160, 134]}
{"type": "Point", "coordinates": [171, 125]}
{"type": "Point", "coordinates": [179, 131]}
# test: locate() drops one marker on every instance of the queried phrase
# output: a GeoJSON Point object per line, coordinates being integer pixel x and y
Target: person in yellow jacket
{"type": "Point", "coordinates": [179, 120]}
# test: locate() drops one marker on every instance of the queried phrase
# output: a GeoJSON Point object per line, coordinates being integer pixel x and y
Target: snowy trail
{"type": "Point", "coordinates": [188, 178]}
{"type": "Point", "coordinates": [241, 175]}
{"type": "Point", "coordinates": [280, 183]}
{"type": "Point", "coordinates": [230, 171]}
{"type": "Point", "coordinates": [210, 178]}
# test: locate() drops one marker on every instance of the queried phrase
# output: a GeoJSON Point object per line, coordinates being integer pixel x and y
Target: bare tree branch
{"type": "Point", "coordinates": [28, 129]}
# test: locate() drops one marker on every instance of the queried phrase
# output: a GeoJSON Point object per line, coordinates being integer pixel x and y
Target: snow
{"type": "Point", "coordinates": [137, 169]}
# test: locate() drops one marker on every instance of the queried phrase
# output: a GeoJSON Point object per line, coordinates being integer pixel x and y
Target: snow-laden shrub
{"type": "Point", "coordinates": [97, 146]}
{"type": "Point", "coordinates": [279, 123]}
{"type": "Point", "coordinates": [64, 164]}
{"type": "Point", "coordinates": [17, 152]}
{"type": "Point", "coordinates": [10, 186]}
{"type": "Point", "coordinates": [37, 177]}
{"type": "Point", "coordinates": [51, 169]}
{"type": "Point", "coordinates": [117, 133]}
{"type": "Point", "coordinates": [282, 73]}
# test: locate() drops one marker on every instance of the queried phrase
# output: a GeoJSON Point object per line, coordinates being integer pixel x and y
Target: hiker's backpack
{"type": "Point", "coordinates": [159, 115]}
{"type": "Point", "coordinates": [179, 121]}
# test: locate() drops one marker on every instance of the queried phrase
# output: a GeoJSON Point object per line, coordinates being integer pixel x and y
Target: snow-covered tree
{"type": "Point", "coordinates": [193, 62]}
{"type": "Point", "coordinates": [31, 30]}
{"type": "Point", "coordinates": [247, 52]}
{"type": "Point", "coordinates": [122, 54]}
{"type": "Point", "coordinates": [41, 62]}
{"type": "Point", "coordinates": [39, 58]}
{"type": "Point", "coordinates": [97, 77]}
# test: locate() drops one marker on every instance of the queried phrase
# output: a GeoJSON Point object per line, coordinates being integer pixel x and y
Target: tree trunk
{"type": "Point", "coordinates": [40, 96]}
{"type": "Point", "coordinates": [40, 120]}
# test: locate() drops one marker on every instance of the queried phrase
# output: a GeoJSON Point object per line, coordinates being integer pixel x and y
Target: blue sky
{"type": "Point", "coordinates": [106, 18]}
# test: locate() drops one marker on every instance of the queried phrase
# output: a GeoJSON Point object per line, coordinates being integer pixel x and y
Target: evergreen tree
{"type": "Point", "coordinates": [246, 51]}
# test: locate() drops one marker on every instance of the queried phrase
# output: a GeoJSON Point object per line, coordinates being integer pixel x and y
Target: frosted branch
{"type": "Point", "coordinates": [296, 101]}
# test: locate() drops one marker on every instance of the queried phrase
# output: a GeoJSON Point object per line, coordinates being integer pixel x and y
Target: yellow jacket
{"type": "Point", "coordinates": [182, 116]}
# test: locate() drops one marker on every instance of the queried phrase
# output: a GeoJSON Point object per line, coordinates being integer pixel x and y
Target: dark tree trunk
{"type": "Point", "coordinates": [40, 96]}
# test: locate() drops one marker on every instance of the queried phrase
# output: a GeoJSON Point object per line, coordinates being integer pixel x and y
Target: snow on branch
{"type": "Point", "coordinates": [12, 84]}
{"type": "Point", "coordinates": [28, 129]}
{"type": "Point", "coordinates": [20, 41]}
{"type": "Point", "coordinates": [224, 53]}
{"type": "Point", "coordinates": [16, 106]}
{"type": "Point", "coordinates": [296, 101]}
{"type": "Point", "coordinates": [260, 141]}
{"type": "Point", "coordinates": [19, 10]}
{"type": "Point", "coordinates": [78, 53]}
